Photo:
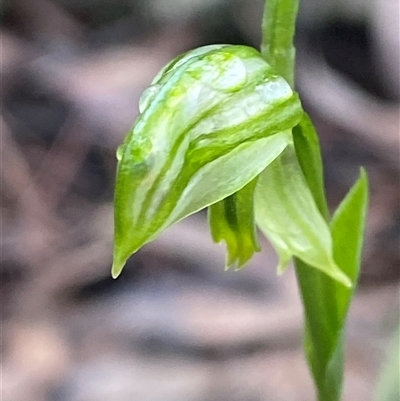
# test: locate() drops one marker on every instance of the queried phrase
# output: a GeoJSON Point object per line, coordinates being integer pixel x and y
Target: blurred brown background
{"type": "Point", "coordinates": [174, 326]}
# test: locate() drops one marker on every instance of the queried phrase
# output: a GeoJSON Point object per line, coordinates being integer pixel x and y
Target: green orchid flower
{"type": "Point", "coordinates": [210, 122]}
{"type": "Point", "coordinates": [215, 130]}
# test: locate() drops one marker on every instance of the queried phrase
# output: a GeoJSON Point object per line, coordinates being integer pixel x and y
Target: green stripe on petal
{"type": "Point", "coordinates": [211, 122]}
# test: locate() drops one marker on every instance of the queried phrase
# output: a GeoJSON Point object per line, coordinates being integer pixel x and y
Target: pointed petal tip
{"type": "Point", "coordinates": [239, 266]}
{"type": "Point", "coordinates": [280, 270]}
{"type": "Point", "coordinates": [227, 267]}
{"type": "Point", "coordinates": [115, 273]}
{"type": "Point", "coordinates": [238, 263]}
{"type": "Point", "coordinates": [234, 263]}
{"type": "Point", "coordinates": [282, 266]}
{"type": "Point", "coordinates": [345, 280]}
{"type": "Point", "coordinates": [116, 269]}
{"type": "Point", "coordinates": [284, 260]}
{"type": "Point", "coordinates": [342, 278]}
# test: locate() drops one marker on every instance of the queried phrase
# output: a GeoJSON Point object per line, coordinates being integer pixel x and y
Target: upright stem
{"type": "Point", "coordinates": [317, 290]}
{"type": "Point", "coordinates": [278, 29]}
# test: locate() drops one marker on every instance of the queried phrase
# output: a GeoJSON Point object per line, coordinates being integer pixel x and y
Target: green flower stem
{"type": "Point", "coordinates": [278, 28]}
{"type": "Point", "coordinates": [325, 301]}
{"type": "Point", "coordinates": [221, 127]}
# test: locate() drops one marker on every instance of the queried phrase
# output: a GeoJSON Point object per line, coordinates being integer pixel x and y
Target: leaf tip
{"type": "Point", "coordinates": [363, 173]}
{"type": "Point", "coordinates": [364, 180]}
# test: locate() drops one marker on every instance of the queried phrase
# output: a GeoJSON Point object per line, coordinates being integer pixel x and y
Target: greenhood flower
{"type": "Point", "coordinates": [210, 122]}
{"type": "Point", "coordinates": [215, 129]}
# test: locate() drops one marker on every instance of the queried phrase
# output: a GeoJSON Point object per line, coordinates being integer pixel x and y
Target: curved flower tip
{"type": "Point", "coordinates": [211, 121]}
{"type": "Point", "coordinates": [117, 268]}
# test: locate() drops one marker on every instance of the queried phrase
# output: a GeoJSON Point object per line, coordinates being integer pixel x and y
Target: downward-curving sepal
{"type": "Point", "coordinates": [211, 121]}
{"type": "Point", "coordinates": [232, 220]}
{"type": "Point", "coordinates": [288, 215]}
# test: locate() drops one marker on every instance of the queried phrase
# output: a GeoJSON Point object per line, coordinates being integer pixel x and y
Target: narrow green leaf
{"type": "Point", "coordinates": [325, 302]}
{"type": "Point", "coordinates": [308, 151]}
{"type": "Point", "coordinates": [232, 220]}
{"type": "Point", "coordinates": [287, 214]}
{"type": "Point", "coordinates": [347, 227]}
{"type": "Point", "coordinates": [321, 322]}
{"type": "Point", "coordinates": [211, 122]}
